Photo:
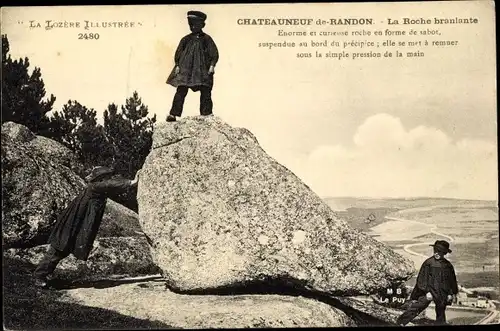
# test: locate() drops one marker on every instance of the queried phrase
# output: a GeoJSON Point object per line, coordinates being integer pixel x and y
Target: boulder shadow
{"type": "Point", "coordinates": [63, 284]}
{"type": "Point", "coordinates": [27, 307]}
{"type": "Point", "coordinates": [293, 287]}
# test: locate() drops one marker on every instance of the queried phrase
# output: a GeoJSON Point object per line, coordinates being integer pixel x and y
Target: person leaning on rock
{"type": "Point", "coordinates": [436, 281]}
{"type": "Point", "coordinates": [195, 60]}
{"type": "Point", "coordinates": [76, 227]}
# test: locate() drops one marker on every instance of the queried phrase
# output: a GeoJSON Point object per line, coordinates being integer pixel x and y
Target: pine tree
{"type": "Point", "coordinates": [130, 133]}
{"type": "Point", "coordinates": [22, 93]}
{"type": "Point", "coordinates": [76, 127]}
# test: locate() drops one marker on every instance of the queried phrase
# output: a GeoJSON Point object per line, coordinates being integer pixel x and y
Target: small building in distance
{"type": "Point", "coordinates": [462, 299]}
{"type": "Point", "coordinates": [466, 298]}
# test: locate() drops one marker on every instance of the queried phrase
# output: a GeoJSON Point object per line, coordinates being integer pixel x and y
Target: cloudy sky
{"type": "Point", "coordinates": [389, 127]}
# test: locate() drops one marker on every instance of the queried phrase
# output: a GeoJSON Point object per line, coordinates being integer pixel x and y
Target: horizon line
{"type": "Point", "coordinates": [406, 198]}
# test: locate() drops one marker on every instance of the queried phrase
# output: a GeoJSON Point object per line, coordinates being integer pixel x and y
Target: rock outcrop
{"type": "Point", "coordinates": [223, 219]}
{"type": "Point", "coordinates": [39, 179]}
{"type": "Point", "coordinates": [126, 256]}
{"type": "Point", "coordinates": [17, 133]}
{"type": "Point", "coordinates": [223, 213]}
{"type": "Point", "coordinates": [41, 146]}
{"type": "Point", "coordinates": [119, 221]}
{"type": "Point", "coordinates": [212, 311]}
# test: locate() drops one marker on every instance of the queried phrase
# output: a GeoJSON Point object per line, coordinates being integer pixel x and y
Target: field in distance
{"type": "Point", "coordinates": [410, 225]}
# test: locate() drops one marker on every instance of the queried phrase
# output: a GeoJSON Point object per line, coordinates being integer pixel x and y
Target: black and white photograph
{"type": "Point", "coordinates": [252, 165]}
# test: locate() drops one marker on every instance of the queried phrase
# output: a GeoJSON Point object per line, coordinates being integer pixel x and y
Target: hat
{"type": "Point", "coordinates": [196, 14]}
{"type": "Point", "coordinates": [98, 172]}
{"type": "Point", "coordinates": [442, 246]}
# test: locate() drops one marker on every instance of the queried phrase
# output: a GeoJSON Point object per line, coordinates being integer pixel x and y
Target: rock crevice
{"type": "Point", "coordinates": [361, 313]}
{"type": "Point", "coordinates": [172, 142]}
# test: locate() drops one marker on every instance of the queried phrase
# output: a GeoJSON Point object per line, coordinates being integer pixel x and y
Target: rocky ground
{"type": "Point", "coordinates": [237, 238]}
{"type": "Point", "coordinates": [27, 307]}
{"type": "Point", "coordinates": [145, 303]}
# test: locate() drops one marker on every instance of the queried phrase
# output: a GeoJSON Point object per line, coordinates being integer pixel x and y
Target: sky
{"type": "Point", "coordinates": [369, 127]}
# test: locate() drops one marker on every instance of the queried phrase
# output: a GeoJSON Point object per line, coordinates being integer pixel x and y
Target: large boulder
{"type": "Point", "coordinates": [34, 189]}
{"type": "Point", "coordinates": [17, 132]}
{"type": "Point", "coordinates": [41, 146]}
{"type": "Point", "coordinates": [38, 182]}
{"type": "Point", "coordinates": [125, 256]}
{"type": "Point", "coordinates": [49, 148]}
{"type": "Point", "coordinates": [151, 301]}
{"type": "Point", "coordinates": [223, 213]}
{"type": "Point", "coordinates": [119, 221]}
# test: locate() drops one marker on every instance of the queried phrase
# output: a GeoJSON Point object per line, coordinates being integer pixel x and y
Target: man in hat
{"type": "Point", "coordinates": [436, 281]}
{"type": "Point", "coordinates": [76, 227]}
{"type": "Point", "coordinates": [195, 60]}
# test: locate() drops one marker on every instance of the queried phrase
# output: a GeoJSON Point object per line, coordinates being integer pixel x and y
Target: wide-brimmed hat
{"type": "Point", "coordinates": [442, 246]}
{"type": "Point", "coordinates": [194, 14]}
{"type": "Point", "coordinates": [98, 172]}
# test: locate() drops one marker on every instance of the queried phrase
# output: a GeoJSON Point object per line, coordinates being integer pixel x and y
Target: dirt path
{"type": "Point", "coordinates": [433, 229]}
{"type": "Point", "coordinates": [489, 318]}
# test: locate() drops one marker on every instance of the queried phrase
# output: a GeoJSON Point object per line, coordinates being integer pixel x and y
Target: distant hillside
{"type": "Point", "coordinates": [472, 223]}
{"type": "Point", "coordinates": [365, 218]}
{"type": "Point", "coordinates": [343, 203]}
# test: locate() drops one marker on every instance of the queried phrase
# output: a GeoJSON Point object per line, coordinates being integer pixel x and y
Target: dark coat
{"type": "Point", "coordinates": [194, 56]}
{"type": "Point", "coordinates": [437, 277]}
{"type": "Point", "coordinates": [76, 227]}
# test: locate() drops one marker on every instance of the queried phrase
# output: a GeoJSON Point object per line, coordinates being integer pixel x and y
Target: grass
{"type": "Point", "coordinates": [477, 255]}
{"type": "Point", "coordinates": [356, 217]}
{"type": "Point", "coordinates": [464, 320]}
{"type": "Point", "coordinates": [27, 307]}
{"type": "Point", "coordinates": [471, 257]}
{"type": "Point", "coordinates": [450, 215]}
{"type": "Point", "coordinates": [400, 243]}
{"type": "Point", "coordinates": [475, 228]}
{"type": "Point", "coordinates": [427, 237]}
{"type": "Point", "coordinates": [406, 203]}
{"type": "Point", "coordinates": [479, 279]}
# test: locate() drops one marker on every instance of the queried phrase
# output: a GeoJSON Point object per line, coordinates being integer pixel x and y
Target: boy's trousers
{"type": "Point", "coordinates": [206, 103]}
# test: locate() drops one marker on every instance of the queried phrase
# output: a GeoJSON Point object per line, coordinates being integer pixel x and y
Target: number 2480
{"type": "Point", "coordinates": [88, 36]}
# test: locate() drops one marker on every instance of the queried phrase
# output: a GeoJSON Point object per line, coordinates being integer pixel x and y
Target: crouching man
{"type": "Point", "coordinates": [436, 281]}
{"type": "Point", "coordinates": [76, 227]}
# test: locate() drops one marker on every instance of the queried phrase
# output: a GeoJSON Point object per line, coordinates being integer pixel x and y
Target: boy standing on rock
{"type": "Point", "coordinates": [436, 281]}
{"type": "Point", "coordinates": [195, 60]}
{"type": "Point", "coordinates": [76, 228]}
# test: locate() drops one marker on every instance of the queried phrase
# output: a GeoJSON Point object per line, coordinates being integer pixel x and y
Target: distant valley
{"type": "Point", "coordinates": [410, 225]}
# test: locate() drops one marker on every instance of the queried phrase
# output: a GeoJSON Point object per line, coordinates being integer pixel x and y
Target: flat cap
{"type": "Point", "coordinates": [196, 14]}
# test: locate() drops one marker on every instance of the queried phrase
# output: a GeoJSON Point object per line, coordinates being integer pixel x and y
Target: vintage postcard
{"type": "Point", "coordinates": [250, 165]}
